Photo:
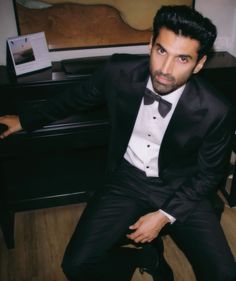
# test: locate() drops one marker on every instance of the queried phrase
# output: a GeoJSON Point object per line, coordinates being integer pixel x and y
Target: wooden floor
{"type": "Point", "coordinates": [41, 237]}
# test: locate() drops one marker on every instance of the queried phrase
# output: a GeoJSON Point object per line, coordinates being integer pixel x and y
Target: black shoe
{"type": "Point", "coordinates": [156, 265]}
{"type": "Point", "coordinates": [162, 272]}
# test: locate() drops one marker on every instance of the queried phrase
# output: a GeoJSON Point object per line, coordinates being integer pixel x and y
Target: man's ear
{"type": "Point", "coordinates": [200, 64]}
{"type": "Point", "coordinates": [150, 45]}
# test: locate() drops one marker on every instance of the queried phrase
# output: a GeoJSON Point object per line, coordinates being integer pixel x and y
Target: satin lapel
{"type": "Point", "coordinates": [129, 96]}
{"type": "Point", "coordinates": [183, 126]}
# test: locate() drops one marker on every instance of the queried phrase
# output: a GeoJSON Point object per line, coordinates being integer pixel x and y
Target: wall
{"type": "Point", "coordinates": [7, 26]}
{"type": "Point", "coordinates": [222, 13]}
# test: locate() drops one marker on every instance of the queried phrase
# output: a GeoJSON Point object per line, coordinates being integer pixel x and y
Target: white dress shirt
{"type": "Point", "coordinates": [149, 129]}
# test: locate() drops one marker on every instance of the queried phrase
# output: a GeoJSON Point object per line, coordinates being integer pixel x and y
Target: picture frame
{"type": "Point", "coordinates": [84, 24]}
{"type": "Point", "coordinates": [27, 53]}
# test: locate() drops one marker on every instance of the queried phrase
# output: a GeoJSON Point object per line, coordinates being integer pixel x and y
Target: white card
{"type": "Point", "coordinates": [29, 52]}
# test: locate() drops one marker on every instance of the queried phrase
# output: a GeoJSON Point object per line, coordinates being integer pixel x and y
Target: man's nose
{"type": "Point", "coordinates": [167, 66]}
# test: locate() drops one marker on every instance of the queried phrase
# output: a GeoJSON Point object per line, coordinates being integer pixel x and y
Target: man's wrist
{"type": "Point", "coordinates": [171, 218]}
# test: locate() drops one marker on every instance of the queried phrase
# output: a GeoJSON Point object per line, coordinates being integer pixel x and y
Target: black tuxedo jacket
{"type": "Point", "coordinates": [195, 150]}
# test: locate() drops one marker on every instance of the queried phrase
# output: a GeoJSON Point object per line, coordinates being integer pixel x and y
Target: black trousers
{"type": "Point", "coordinates": [232, 196]}
{"type": "Point", "coordinates": [90, 254]}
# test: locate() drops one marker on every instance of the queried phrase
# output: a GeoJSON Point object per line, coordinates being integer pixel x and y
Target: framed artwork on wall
{"type": "Point", "coordinates": [73, 24]}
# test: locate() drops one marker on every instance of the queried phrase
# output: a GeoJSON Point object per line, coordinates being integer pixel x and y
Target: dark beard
{"type": "Point", "coordinates": [160, 88]}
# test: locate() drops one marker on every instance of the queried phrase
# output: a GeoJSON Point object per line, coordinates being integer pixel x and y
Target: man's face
{"type": "Point", "coordinates": [173, 59]}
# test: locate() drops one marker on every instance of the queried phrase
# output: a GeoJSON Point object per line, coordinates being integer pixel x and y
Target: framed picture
{"type": "Point", "coordinates": [28, 53]}
{"type": "Point", "coordinates": [72, 24]}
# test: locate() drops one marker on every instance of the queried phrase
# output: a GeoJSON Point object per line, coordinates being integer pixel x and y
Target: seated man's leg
{"type": "Point", "coordinates": [162, 271]}
{"type": "Point", "coordinates": [232, 195]}
{"type": "Point", "coordinates": [105, 220]}
{"type": "Point", "coordinates": [202, 240]}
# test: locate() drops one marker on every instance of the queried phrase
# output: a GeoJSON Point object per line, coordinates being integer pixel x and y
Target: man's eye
{"type": "Point", "coordinates": [183, 59]}
{"type": "Point", "coordinates": [161, 51]}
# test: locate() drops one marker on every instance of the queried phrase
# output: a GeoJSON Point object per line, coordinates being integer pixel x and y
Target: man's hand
{"type": "Point", "coordinates": [148, 227]}
{"type": "Point", "coordinates": [13, 124]}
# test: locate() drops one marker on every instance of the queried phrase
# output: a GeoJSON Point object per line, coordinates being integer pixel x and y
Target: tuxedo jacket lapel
{"type": "Point", "coordinates": [129, 96]}
{"type": "Point", "coordinates": [182, 130]}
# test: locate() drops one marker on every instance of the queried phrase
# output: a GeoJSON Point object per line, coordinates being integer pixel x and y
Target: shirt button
{"type": "Point", "coordinates": [147, 167]}
{"type": "Point", "coordinates": [148, 145]}
{"type": "Point", "coordinates": [149, 135]}
{"type": "Point", "coordinates": [154, 117]}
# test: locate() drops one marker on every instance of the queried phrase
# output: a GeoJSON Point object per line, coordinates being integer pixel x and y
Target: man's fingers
{"type": "Point", "coordinates": [135, 237]}
{"type": "Point", "coordinates": [5, 134]}
{"type": "Point", "coordinates": [135, 234]}
{"type": "Point", "coordinates": [9, 124]}
{"type": "Point", "coordinates": [4, 119]}
{"type": "Point", "coordinates": [135, 225]}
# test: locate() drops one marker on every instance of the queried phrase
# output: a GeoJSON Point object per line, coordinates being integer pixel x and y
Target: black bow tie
{"type": "Point", "coordinates": [164, 106]}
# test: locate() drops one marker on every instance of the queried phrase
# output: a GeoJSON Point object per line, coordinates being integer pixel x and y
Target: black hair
{"type": "Point", "coordinates": [185, 21]}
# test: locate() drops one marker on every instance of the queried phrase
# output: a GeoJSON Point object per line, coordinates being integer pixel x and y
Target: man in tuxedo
{"type": "Point", "coordinates": [170, 142]}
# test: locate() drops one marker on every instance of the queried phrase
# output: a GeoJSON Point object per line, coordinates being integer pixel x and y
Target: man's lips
{"type": "Point", "coordinates": [163, 80]}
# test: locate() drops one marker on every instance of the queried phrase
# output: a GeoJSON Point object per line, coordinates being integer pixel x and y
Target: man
{"type": "Point", "coordinates": [167, 153]}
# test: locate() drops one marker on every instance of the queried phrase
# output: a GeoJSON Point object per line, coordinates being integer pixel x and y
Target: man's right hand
{"type": "Point", "coordinates": [13, 125]}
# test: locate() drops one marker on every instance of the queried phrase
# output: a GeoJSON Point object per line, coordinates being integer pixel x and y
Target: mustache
{"type": "Point", "coordinates": [165, 75]}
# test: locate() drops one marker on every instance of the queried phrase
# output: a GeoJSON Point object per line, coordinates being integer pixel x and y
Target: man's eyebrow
{"type": "Point", "coordinates": [160, 46]}
{"type": "Point", "coordinates": [180, 55]}
{"type": "Point", "coordinates": [185, 56]}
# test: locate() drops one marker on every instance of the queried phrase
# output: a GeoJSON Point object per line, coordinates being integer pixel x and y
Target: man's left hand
{"type": "Point", "coordinates": [148, 227]}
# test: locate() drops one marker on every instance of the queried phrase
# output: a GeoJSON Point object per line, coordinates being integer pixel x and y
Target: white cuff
{"type": "Point", "coordinates": [172, 219]}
